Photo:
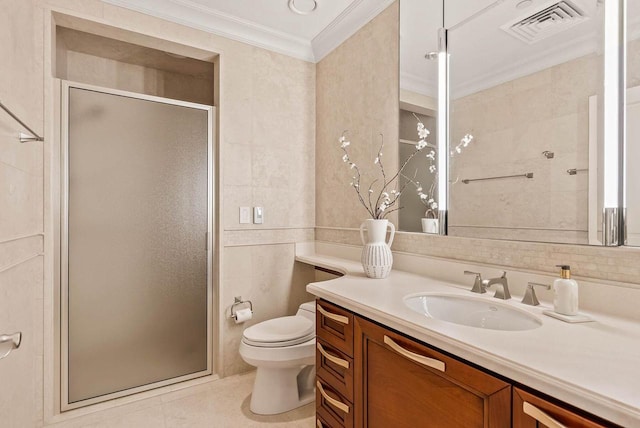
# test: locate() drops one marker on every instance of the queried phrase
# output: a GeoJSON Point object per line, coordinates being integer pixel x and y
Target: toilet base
{"type": "Point", "coordinates": [278, 390]}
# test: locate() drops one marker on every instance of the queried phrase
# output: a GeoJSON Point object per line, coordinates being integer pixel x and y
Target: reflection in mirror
{"type": "Point", "coordinates": [525, 78]}
{"type": "Point", "coordinates": [419, 24]}
{"type": "Point", "coordinates": [632, 191]}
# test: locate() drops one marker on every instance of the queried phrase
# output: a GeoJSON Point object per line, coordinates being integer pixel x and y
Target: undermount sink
{"type": "Point", "coordinates": [471, 311]}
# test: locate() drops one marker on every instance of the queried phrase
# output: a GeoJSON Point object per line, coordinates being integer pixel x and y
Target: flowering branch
{"type": "Point", "coordinates": [386, 198]}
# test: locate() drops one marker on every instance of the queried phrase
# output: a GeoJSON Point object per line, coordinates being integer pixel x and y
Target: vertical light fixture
{"type": "Point", "coordinates": [443, 130]}
{"type": "Point", "coordinates": [614, 111]}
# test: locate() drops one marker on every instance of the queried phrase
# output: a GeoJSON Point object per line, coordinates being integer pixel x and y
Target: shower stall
{"type": "Point", "coordinates": [135, 243]}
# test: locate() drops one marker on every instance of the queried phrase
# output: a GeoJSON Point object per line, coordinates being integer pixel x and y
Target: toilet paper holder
{"type": "Point", "coordinates": [237, 301]}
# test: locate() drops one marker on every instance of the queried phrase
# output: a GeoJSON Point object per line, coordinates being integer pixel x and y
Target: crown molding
{"type": "Point", "coordinates": [559, 54]}
{"type": "Point", "coordinates": [345, 25]}
{"type": "Point", "coordinates": [197, 16]}
{"type": "Point", "coordinates": [420, 85]}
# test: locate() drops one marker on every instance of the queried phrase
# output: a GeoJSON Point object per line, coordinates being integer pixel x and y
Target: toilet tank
{"type": "Point", "coordinates": [308, 310]}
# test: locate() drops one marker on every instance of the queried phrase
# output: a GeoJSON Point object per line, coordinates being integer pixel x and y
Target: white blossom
{"type": "Point", "coordinates": [345, 158]}
{"type": "Point", "coordinates": [422, 131]}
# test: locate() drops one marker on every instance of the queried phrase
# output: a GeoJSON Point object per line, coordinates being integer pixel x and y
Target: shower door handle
{"type": "Point", "coordinates": [9, 342]}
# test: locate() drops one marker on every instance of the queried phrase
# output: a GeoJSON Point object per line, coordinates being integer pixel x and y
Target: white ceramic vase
{"type": "Point", "coordinates": [430, 225]}
{"type": "Point", "coordinates": [376, 254]}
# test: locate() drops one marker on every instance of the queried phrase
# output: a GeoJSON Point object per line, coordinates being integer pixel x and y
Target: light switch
{"type": "Point", "coordinates": [245, 215]}
{"type": "Point", "coordinates": [258, 215]}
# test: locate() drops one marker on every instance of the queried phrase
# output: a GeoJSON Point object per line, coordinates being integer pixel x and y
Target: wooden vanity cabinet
{"type": "Point", "coordinates": [403, 383]}
{"type": "Point", "coordinates": [532, 411]}
{"type": "Point", "coordinates": [370, 376]}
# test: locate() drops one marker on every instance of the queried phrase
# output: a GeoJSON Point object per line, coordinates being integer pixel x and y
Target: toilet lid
{"type": "Point", "coordinates": [277, 332]}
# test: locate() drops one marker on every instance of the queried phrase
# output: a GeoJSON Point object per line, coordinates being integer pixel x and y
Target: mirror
{"type": "Point", "coordinates": [420, 21]}
{"type": "Point", "coordinates": [632, 191]}
{"type": "Point", "coordinates": [526, 77]}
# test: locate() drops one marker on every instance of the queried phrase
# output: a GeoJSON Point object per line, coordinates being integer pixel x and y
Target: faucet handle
{"type": "Point", "coordinates": [530, 297]}
{"type": "Point", "coordinates": [477, 284]}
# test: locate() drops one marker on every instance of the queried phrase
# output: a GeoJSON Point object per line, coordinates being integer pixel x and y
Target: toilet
{"type": "Point", "coordinates": [283, 351]}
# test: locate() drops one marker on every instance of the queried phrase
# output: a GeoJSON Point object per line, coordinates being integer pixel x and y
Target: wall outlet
{"type": "Point", "coordinates": [258, 215]}
{"type": "Point", "coordinates": [245, 215]}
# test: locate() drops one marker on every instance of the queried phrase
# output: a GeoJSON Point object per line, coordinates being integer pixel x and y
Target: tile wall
{"type": "Point", "coordinates": [357, 91]}
{"type": "Point", "coordinates": [21, 213]}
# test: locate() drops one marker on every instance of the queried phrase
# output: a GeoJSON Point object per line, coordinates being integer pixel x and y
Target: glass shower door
{"type": "Point", "coordinates": [136, 238]}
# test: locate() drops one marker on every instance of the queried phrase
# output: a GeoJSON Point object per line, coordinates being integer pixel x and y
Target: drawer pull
{"type": "Point", "coordinates": [333, 359]}
{"type": "Point", "coordinates": [541, 416]}
{"type": "Point", "coordinates": [335, 403]}
{"type": "Point", "coordinates": [337, 318]}
{"type": "Point", "coordinates": [421, 359]}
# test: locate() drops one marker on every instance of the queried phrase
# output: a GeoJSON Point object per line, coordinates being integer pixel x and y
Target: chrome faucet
{"type": "Point", "coordinates": [502, 292]}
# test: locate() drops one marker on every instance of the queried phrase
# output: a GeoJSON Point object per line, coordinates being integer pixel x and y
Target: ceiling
{"type": "Point", "coordinates": [482, 54]}
{"type": "Point", "coordinates": [268, 23]}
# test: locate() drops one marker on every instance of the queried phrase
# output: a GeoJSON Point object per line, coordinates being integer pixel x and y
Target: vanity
{"type": "Point", "coordinates": [381, 363]}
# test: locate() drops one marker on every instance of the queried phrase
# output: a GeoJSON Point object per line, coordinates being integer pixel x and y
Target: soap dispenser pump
{"type": "Point", "coordinates": [565, 301]}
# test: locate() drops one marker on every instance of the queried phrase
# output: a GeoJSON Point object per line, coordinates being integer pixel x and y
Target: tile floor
{"type": "Point", "coordinates": [219, 404]}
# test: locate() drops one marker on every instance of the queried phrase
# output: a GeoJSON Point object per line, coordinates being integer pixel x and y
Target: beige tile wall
{"type": "Point", "coordinates": [620, 264]}
{"type": "Point", "coordinates": [94, 70]}
{"type": "Point", "coordinates": [21, 214]}
{"type": "Point", "coordinates": [513, 123]}
{"type": "Point", "coordinates": [357, 90]}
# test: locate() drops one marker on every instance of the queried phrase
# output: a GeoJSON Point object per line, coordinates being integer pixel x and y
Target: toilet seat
{"type": "Point", "coordinates": [280, 332]}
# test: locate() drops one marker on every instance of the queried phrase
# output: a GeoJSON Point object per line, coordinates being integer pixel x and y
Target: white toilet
{"type": "Point", "coordinates": [283, 350]}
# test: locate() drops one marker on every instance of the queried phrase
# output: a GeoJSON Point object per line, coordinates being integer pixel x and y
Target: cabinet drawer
{"type": "Point", "coordinates": [332, 407]}
{"type": "Point", "coordinates": [531, 411]}
{"type": "Point", "coordinates": [335, 368]}
{"type": "Point", "coordinates": [404, 381]}
{"type": "Point", "coordinates": [334, 325]}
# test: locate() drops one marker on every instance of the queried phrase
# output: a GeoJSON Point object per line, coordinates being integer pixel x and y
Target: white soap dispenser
{"type": "Point", "coordinates": [565, 301]}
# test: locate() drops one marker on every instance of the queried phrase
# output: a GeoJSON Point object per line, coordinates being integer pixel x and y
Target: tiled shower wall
{"type": "Point", "coordinates": [513, 123]}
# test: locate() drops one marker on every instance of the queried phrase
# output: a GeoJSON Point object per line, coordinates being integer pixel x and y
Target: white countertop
{"type": "Point", "coordinates": [594, 366]}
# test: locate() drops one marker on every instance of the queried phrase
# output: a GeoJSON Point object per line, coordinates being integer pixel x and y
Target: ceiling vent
{"type": "Point", "coordinates": [546, 22]}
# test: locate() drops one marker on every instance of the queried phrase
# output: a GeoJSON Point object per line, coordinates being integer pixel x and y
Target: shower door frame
{"type": "Point", "coordinates": [66, 86]}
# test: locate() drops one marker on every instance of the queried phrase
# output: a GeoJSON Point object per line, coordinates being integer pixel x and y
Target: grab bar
{"type": "Point", "coordinates": [23, 137]}
{"type": "Point", "coordinates": [13, 340]}
{"type": "Point", "coordinates": [525, 175]}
